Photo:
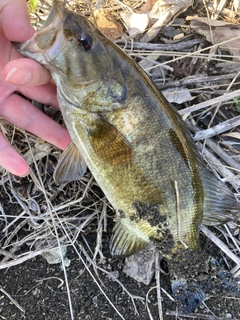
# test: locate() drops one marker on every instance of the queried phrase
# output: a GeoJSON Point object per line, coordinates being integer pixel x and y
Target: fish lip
{"type": "Point", "coordinates": [30, 45]}
{"type": "Point", "coordinates": [51, 25]}
{"type": "Point", "coordinates": [57, 9]}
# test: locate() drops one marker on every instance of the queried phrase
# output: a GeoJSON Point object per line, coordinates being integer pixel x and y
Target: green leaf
{"type": "Point", "coordinates": [33, 4]}
{"type": "Point", "coordinates": [237, 103]}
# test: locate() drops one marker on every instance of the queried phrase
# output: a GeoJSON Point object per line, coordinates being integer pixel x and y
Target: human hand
{"type": "Point", "coordinates": [30, 79]}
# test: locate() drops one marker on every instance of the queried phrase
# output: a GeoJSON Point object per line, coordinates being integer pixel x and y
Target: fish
{"type": "Point", "coordinates": [133, 141]}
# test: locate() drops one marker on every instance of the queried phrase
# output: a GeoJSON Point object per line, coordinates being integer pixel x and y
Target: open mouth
{"type": "Point", "coordinates": [49, 39]}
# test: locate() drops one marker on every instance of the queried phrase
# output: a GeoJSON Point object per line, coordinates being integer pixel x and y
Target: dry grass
{"type": "Point", "coordinates": [49, 216]}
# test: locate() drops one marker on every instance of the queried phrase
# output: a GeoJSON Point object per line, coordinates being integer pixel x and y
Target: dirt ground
{"type": "Point", "coordinates": [35, 289]}
{"type": "Point", "coordinates": [40, 288]}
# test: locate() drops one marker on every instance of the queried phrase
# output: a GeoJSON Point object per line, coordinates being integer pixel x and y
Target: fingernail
{"type": "Point", "coordinates": [18, 76]}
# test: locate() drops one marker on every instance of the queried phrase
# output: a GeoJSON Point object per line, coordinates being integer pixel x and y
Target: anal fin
{"type": "Point", "coordinates": [126, 239]}
{"type": "Point", "coordinates": [71, 166]}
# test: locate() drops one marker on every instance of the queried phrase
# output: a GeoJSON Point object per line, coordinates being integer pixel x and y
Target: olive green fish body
{"type": "Point", "coordinates": [154, 171]}
{"type": "Point", "coordinates": [134, 143]}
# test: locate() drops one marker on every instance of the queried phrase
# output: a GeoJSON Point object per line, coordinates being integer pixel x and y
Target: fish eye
{"type": "Point", "coordinates": [85, 41]}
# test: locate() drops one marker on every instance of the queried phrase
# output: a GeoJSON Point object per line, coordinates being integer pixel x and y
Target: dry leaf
{"type": "Point", "coordinates": [178, 96]}
{"type": "Point", "coordinates": [148, 62]}
{"type": "Point", "coordinates": [219, 34]}
{"type": "Point", "coordinates": [40, 150]}
{"type": "Point", "coordinates": [135, 22]}
{"type": "Point", "coordinates": [200, 21]}
{"type": "Point", "coordinates": [147, 7]}
{"type": "Point", "coordinates": [162, 13]}
{"type": "Point", "coordinates": [107, 24]}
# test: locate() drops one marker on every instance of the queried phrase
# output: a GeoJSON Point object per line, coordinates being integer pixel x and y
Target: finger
{"type": "Point", "coordinates": [15, 20]}
{"type": "Point", "coordinates": [11, 160]}
{"type": "Point", "coordinates": [23, 114]}
{"type": "Point", "coordinates": [46, 94]}
{"type": "Point", "coordinates": [26, 72]}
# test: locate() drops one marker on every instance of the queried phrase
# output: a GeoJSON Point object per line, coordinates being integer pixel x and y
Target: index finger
{"type": "Point", "coordinates": [15, 21]}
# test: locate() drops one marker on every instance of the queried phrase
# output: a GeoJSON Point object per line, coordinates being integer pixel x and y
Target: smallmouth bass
{"type": "Point", "coordinates": [134, 143]}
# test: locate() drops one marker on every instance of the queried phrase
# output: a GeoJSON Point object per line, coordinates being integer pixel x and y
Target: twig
{"type": "Point", "coordinates": [148, 309]}
{"type": "Point", "coordinates": [178, 214]}
{"type": "Point", "coordinates": [205, 104]}
{"type": "Point", "coordinates": [13, 301]}
{"type": "Point", "coordinates": [231, 237]}
{"type": "Point", "coordinates": [220, 128]}
{"type": "Point", "coordinates": [161, 47]}
{"type": "Point", "coordinates": [235, 165]}
{"type": "Point", "coordinates": [157, 277]}
{"type": "Point", "coordinates": [197, 81]}
{"type": "Point", "coordinates": [98, 247]}
{"type": "Point", "coordinates": [220, 244]}
{"type": "Point", "coordinates": [50, 278]}
{"type": "Point", "coordinates": [8, 254]}
{"type": "Point", "coordinates": [168, 295]}
{"type": "Point", "coordinates": [20, 260]}
{"type": "Point", "coordinates": [219, 167]}
{"type": "Point", "coordinates": [215, 147]}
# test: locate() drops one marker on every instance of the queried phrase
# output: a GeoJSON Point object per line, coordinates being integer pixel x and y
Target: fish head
{"type": "Point", "coordinates": [77, 54]}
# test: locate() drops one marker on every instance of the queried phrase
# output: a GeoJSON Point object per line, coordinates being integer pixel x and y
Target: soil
{"type": "Point", "coordinates": [40, 288]}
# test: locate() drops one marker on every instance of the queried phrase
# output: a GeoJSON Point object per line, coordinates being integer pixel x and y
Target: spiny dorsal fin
{"type": "Point", "coordinates": [109, 144]}
{"type": "Point", "coordinates": [220, 204]}
{"type": "Point", "coordinates": [71, 166]}
{"type": "Point", "coordinates": [126, 239]}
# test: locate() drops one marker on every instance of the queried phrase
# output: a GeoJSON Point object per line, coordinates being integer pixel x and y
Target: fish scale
{"type": "Point", "coordinates": [134, 143]}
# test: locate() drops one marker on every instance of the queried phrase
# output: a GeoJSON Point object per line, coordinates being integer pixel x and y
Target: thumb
{"type": "Point", "coordinates": [26, 72]}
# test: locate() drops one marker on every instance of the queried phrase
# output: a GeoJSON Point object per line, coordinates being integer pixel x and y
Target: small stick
{"type": "Point", "coordinates": [157, 277]}
{"type": "Point", "coordinates": [220, 244]}
{"type": "Point", "coordinates": [161, 47]}
{"type": "Point", "coordinates": [219, 128]}
{"type": "Point", "coordinates": [13, 301]}
{"type": "Point", "coordinates": [209, 103]}
{"type": "Point", "coordinates": [20, 260]}
{"type": "Point", "coordinates": [178, 215]}
{"type": "Point", "coordinates": [8, 254]}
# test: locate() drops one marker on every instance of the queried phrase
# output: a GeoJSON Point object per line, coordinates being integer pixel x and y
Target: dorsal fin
{"type": "Point", "coordinates": [126, 239]}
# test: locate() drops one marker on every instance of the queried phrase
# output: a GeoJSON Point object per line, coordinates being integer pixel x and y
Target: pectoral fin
{"type": "Point", "coordinates": [126, 239]}
{"type": "Point", "coordinates": [71, 166]}
{"type": "Point", "coordinates": [109, 144]}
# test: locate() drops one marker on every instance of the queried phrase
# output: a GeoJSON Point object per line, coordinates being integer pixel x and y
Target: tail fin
{"type": "Point", "coordinates": [220, 204]}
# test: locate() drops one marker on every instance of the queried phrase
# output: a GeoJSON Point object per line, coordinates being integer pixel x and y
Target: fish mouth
{"type": "Point", "coordinates": [44, 40]}
{"type": "Point", "coordinates": [57, 11]}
